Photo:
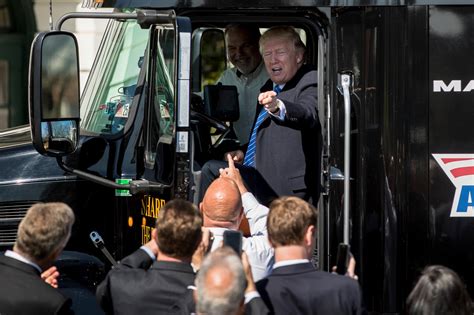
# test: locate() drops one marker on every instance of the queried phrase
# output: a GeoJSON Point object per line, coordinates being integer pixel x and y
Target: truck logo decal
{"type": "Point", "coordinates": [452, 86]}
{"type": "Point", "coordinates": [460, 170]}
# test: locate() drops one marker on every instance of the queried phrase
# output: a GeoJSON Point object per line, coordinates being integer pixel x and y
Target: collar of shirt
{"type": "Point", "coordinates": [280, 85]}
{"type": "Point", "coordinates": [290, 262]}
{"type": "Point", "coordinates": [17, 256]}
{"type": "Point", "coordinates": [255, 73]}
{"type": "Point", "coordinates": [217, 231]}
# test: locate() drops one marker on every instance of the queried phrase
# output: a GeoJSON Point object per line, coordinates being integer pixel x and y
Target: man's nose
{"type": "Point", "coordinates": [273, 58]}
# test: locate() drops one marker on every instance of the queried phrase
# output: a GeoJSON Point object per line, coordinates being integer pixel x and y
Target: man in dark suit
{"type": "Point", "coordinates": [42, 235]}
{"type": "Point", "coordinates": [152, 279]}
{"type": "Point", "coordinates": [295, 286]}
{"type": "Point", "coordinates": [283, 154]}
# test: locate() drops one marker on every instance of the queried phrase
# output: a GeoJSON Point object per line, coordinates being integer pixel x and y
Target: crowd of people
{"type": "Point", "coordinates": [185, 268]}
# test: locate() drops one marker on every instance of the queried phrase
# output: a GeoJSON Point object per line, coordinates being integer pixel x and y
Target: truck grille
{"type": "Point", "coordinates": [11, 214]}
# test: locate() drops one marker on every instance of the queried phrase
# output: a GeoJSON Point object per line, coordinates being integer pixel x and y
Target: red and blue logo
{"type": "Point", "coordinates": [460, 170]}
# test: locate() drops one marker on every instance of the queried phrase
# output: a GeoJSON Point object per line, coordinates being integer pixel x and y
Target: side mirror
{"type": "Point", "coordinates": [54, 93]}
{"type": "Point", "coordinates": [209, 57]}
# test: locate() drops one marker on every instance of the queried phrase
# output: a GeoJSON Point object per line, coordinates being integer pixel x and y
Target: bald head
{"type": "Point", "coordinates": [218, 281]}
{"type": "Point", "coordinates": [222, 204]}
{"type": "Point", "coordinates": [221, 283]}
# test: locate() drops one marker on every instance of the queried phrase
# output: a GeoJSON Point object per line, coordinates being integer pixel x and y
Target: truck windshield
{"type": "Point", "coordinates": [108, 94]}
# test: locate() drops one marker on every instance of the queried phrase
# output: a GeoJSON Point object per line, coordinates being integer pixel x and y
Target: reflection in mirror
{"type": "Point", "coordinates": [59, 137]}
{"type": "Point", "coordinates": [213, 56]}
{"type": "Point", "coordinates": [59, 78]}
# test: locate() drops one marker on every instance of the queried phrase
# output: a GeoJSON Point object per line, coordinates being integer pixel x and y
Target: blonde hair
{"type": "Point", "coordinates": [288, 219]}
{"type": "Point", "coordinates": [285, 32]}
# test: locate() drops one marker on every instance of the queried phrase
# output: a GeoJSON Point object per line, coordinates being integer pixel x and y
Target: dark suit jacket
{"type": "Point", "coordinates": [133, 288]}
{"type": "Point", "coordinates": [288, 152]}
{"type": "Point", "coordinates": [22, 291]}
{"type": "Point", "coordinates": [301, 289]}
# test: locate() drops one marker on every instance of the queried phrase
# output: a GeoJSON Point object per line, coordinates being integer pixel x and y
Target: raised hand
{"type": "Point", "coordinates": [233, 173]}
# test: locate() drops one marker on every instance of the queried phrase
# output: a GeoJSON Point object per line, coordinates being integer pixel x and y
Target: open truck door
{"type": "Point", "coordinates": [135, 116]}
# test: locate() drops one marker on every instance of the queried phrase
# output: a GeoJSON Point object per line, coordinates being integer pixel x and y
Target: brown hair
{"type": "Point", "coordinates": [178, 229]}
{"type": "Point", "coordinates": [439, 291]}
{"type": "Point", "coordinates": [45, 228]}
{"type": "Point", "coordinates": [288, 219]}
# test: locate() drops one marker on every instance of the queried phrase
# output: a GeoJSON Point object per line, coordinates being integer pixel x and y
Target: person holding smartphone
{"type": "Point", "coordinates": [295, 286]}
{"type": "Point", "coordinates": [224, 205]}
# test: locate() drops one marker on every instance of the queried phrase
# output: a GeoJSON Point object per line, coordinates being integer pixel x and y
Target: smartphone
{"type": "Point", "coordinates": [342, 260]}
{"type": "Point", "coordinates": [233, 239]}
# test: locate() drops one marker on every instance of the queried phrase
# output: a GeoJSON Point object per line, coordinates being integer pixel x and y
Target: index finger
{"type": "Point", "coordinates": [48, 272]}
{"type": "Point", "coordinates": [351, 267]}
{"type": "Point", "coordinates": [231, 162]}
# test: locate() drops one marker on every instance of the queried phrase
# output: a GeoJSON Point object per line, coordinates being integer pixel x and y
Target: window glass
{"type": "Point", "coordinates": [108, 95]}
{"type": "Point", "coordinates": [161, 114]}
{"type": "Point", "coordinates": [213, 56]}
{"type": "Point", "coordinates": [5, 19]}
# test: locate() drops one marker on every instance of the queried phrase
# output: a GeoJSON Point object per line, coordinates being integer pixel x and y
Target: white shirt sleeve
{"type": "Point", "coordinates": [281, 114]}
{"type": "Point", "coordinates": [257, 246]}
{"type": "Point", "coordinates": [255, 213]}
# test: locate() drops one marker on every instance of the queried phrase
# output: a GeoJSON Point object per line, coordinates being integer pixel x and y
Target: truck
{"type": "Point", "coordinates": [394, 101]}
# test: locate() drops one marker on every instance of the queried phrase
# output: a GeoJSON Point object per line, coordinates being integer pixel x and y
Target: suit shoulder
{"type": "Point", "coordinates": [338, 281]}
{"type": "Point", "coordinates": [310, 75]}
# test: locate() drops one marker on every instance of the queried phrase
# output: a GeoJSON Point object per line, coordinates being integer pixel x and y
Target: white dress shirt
{"type": "Point", "coordinates": [257, 247]}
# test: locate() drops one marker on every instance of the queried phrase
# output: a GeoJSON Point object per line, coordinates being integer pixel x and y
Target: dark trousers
{"type": "Point", "coordinates": [255, 183]}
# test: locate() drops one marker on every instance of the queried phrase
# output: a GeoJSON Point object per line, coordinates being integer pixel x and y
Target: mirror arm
{"type": "Point", "coordinates": [144, 18]}
{"type": "Point", "coordinates": [135, 186]}
{"type": "Point", "coordinates": [94, 15]}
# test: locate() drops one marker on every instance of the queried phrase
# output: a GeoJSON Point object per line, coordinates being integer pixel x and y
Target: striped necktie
{"type": "Point", "coordinates": [249, 159]}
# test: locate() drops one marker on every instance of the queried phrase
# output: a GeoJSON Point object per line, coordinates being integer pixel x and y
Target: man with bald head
{"type": "Point", "coordinates": [224, 285]}
{"type": "Point", "coordinates": [225, 203]}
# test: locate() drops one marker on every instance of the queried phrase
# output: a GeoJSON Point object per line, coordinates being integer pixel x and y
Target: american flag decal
{"type": "Point", "coordinates": [460, 170]}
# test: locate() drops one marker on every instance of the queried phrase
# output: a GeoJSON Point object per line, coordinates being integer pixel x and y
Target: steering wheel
{"type": "Point", "coordinates": [219, 125]}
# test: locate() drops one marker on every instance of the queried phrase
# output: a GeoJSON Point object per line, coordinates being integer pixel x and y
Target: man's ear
{"type": "Point", "coordinates": [195, 295]}
{"type": "Point", "coordinates": [299, 56]}
{"type": "Point", "coordinates": [201, 208]}
{"type": "Point", "coordinates": [154, 235]}
{"type": "Point", "coordinates": [309, 235]}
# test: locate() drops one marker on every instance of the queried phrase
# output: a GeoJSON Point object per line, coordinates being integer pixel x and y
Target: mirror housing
{"type": "Point", "coordinates": [221, 102]}
{"type": "Point", "coordinates": [209, 57]}
{"type": "Point", "coordinates": [54, 93]}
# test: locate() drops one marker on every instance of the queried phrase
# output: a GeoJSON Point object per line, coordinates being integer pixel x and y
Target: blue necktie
{"type": "Point", "coordinates": [249, 159]}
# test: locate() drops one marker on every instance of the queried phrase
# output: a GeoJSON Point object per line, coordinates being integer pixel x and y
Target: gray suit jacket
{"type": "Point", "coordinates": [288, 152]}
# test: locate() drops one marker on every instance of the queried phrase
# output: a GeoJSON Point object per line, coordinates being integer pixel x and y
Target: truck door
{"type": "Point", "coordinates": [358, 40]}
{"type": "Point", "coordinates": [166, 120]}
{"type": "Point", "coordinates": [136, 102]}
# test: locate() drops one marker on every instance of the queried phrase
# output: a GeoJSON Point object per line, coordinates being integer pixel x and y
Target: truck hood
{"type": "Point", "coordinates": [15, 136]}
